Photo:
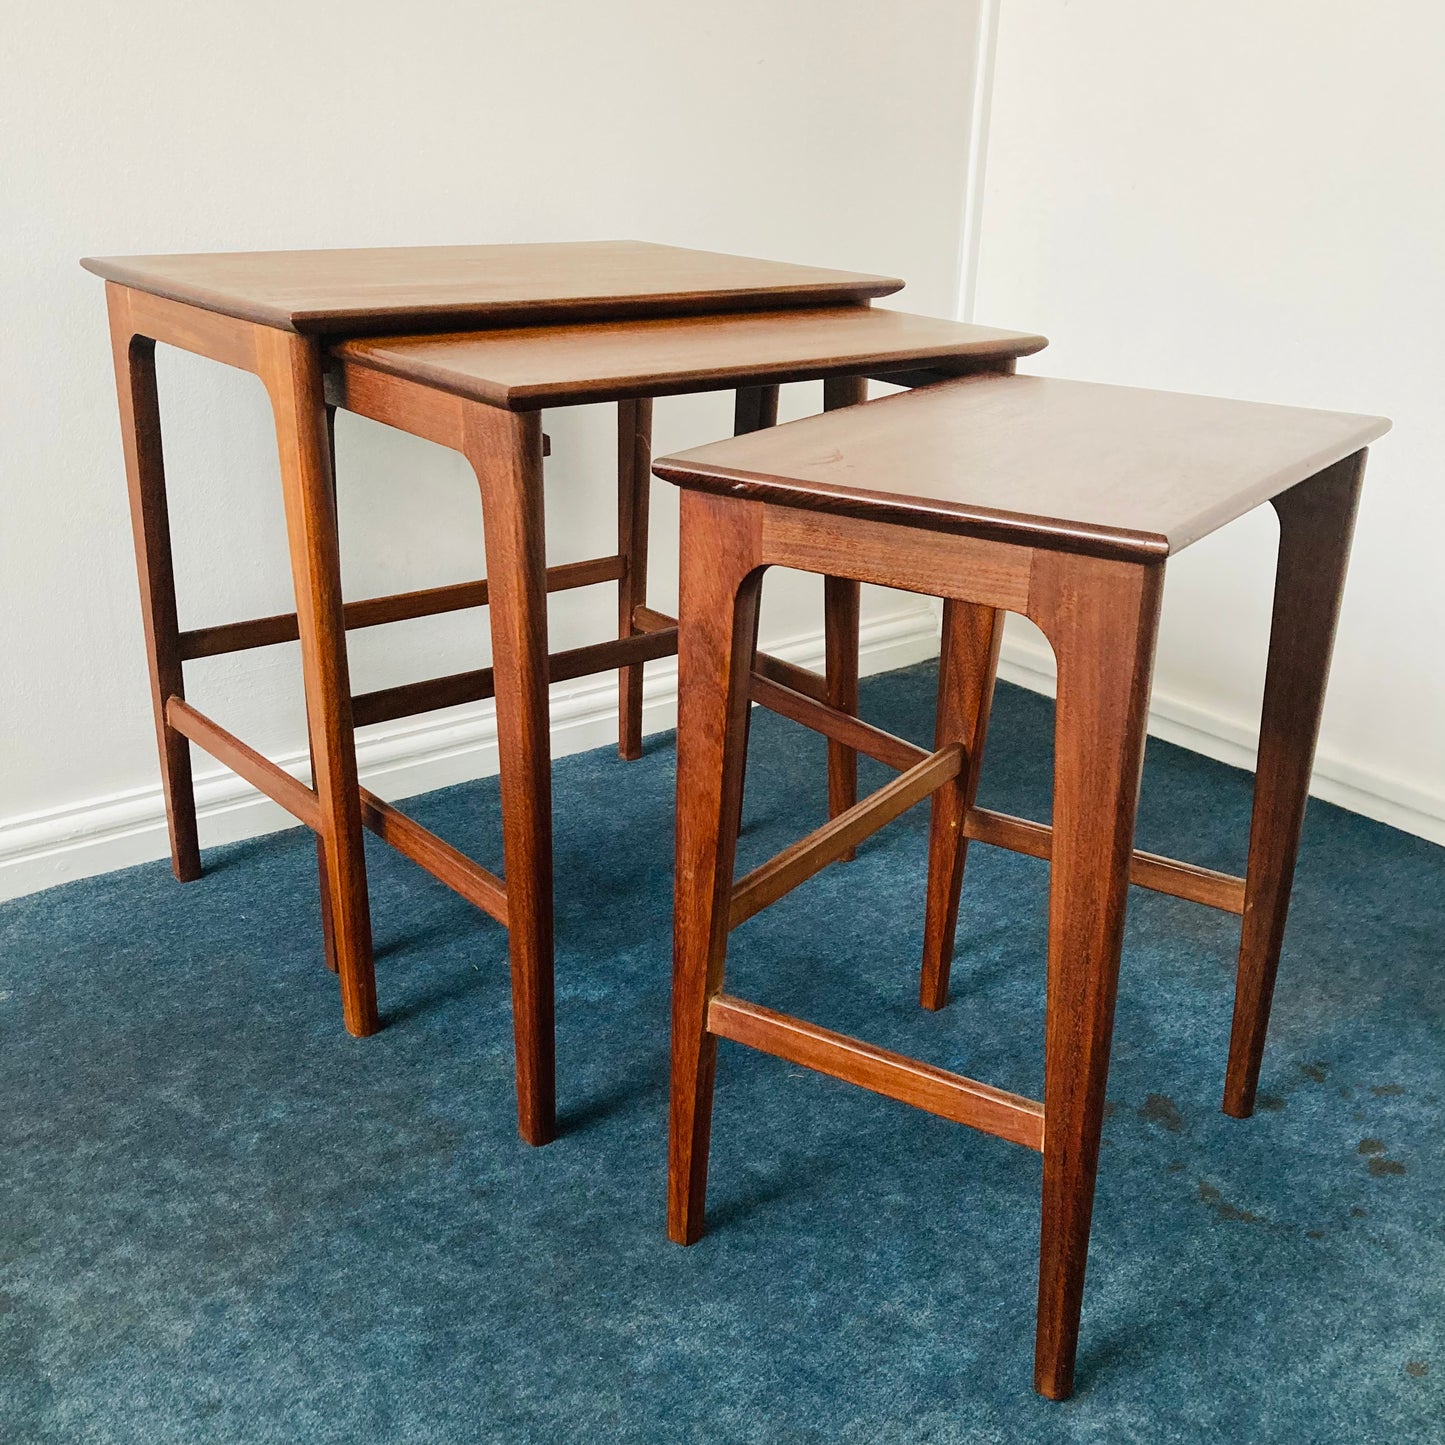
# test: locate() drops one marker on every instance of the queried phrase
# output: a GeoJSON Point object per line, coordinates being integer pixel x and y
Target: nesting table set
{"type": "Point", "coordinates": [992, 491]}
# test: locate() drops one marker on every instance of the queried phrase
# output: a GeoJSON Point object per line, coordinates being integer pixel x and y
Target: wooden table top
{"type": "Point", "coordinates": [562, 365]}
{"type": "Point", "coordinates": [1110, 470]}
{"type": "Point", "coordinates": [415, 288]}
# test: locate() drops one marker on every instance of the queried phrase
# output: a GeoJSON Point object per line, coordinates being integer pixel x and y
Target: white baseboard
{"type": "Point", "coordinates": [1234, 740]}
{"type": "Point", "coordinates": [96, 835]}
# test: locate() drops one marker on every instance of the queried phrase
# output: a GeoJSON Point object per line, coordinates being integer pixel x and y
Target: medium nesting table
{"type": "Point", "coordinates": [480, 393]}
{"type": "Point", "coordinates": [1061, 501]}
{"type": "Point", "coordinates": [285, 316]}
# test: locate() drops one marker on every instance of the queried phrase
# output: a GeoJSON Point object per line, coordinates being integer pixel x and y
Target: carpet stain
{"type": "Point", "coordinates": [1316, 1073]}
{"type": "Point", "coordinates": [1386, 1091]}
{"type": "Point", "coordinates": [1370, 1146]}
{"type": "Point", "coordinates": [1271, 1103]}
{"type": "Point", "coordinates": [1211, 1196]}
{"type": "Point", "coordinates": [1381, 1167]}
{"type": "Point", "coordinates": [1162, 1110]}
{"type": "Point", "coordinates": [1416, 1369]}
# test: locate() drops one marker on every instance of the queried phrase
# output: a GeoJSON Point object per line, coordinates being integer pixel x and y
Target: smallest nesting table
{"type": "Point", "coordinates": [1062, 501]}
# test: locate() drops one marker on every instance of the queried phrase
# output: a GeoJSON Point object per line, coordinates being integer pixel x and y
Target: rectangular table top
{"type": "Point", "coordinates": [416, 288]}
{"type": "Point", "coordinates": [1064, 464]}
{"type": "Point", "coordinates": [562, 365]}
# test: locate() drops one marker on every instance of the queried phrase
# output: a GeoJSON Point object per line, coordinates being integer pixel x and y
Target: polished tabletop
{"type": "Point", "coordinates": [1109, 469]}
{"type": "Point", "coordinates": [370, 291]}
{"type": "Point", "coordinates": [524, 369]}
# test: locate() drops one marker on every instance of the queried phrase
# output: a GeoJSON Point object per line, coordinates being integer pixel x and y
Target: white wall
{"type": "Point", "coordinates": [793, 131]}
{"type": "Point", "coordinates": [1245, 199]}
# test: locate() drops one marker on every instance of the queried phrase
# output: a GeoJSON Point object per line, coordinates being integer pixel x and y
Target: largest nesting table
{"type": "Point", "coordinates": [568, 323]}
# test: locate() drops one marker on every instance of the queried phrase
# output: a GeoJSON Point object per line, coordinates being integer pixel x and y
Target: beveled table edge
{"type": "Point", "coordinates": [450, 316]}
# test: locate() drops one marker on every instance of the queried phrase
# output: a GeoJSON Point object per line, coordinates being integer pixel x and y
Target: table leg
{"type": "Point", "coordinates": [290, 367]}
{"type": "Point", "coordinates": [841, 600]}
{"type": "Point", "coordinates": [505, 449]}
{"type": "Point", "coordinates": [719, 587]}
{"type": "Point", "coordinates": [1101, 618]}
{"type": "Point", "coordinates": [323, 871]}
{"type": "Point", "coordinates": [634, 474]}
{"type": "Point", "coordinates": [140, 424]}
{"type": "Point", "coordinates": [968, 664]}
{"type": "Point", "coordinates": [1316, 524]}
{"type": "Point", "coordinates": [755, 408]}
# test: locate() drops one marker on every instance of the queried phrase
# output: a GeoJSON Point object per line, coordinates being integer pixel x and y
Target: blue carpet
{"type": "Point", "coordinates": [223, 1220]}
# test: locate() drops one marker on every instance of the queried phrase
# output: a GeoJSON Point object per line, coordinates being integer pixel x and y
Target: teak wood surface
{"type": "Point", "coordinates": [780, 499]}
{"type": "Point", "coordinates": [261, 312]}
{"type": "Point", "coordinates": [368, 291]}
{"type": "Point", "coordinates": [568, 365]}
{"type": "Point", "coordinates": [1110, 469]}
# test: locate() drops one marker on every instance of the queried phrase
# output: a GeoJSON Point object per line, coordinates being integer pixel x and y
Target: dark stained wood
{"type": "Point", "coordinates": [790, 675]}
{"type": "Point", "coordinates": [720, 584]}
{"type": "Point", "coordinates": [857, 734]}
{"type": "Point", "coordinates": [439, 858]}
{"type": "Point", "coordinates": [1146, 870]}
{"type": "Point", "coordinates": [370, 291]}
{"type": "Point", "coordinates": [409, 698]}
{"type": "Point", "coordinates": [290, 369]}
{"type": "Point", "coordinates": [634, 477]}
{"type": "Point", "coordinates": [968, 664]}
{"type": "Point", "coordinates": [568, 365]}
{"type": "Point", "coordinates": [1100, 613]}
{"type": "Point", "coordinates": [841, 603]}
{"type": "Point", "coordinates": [754, 407]}
{"type": "Point", "coordinates": [952, 1096]}
{"type": "Point", "coordinates": [1316, 525]}
{"type": "Point", "coordinates": [785, 674]}
{"type": "Point", "coordinates": [1070, 465]}
{"type": "Point", "coordinates": [323, 865]}
{"type": "Point", "coordinates": [376, 611]}
{"type": "Point", "coordinates": [140, 427]}
{"type": "Point", "coordinates": [245, 762]}
{"type": "Point", "coordinates": [890, 555]}
{"type": "Point", "coordinates": [203, 333]}
{"type": "Point", "coordinates": [799, 862]}
{"type": "Point", "coordinates": [323, 873]}
{"type": "Point", "coordinates": [506, 453]}
{"type": "Point", "coordinates": [1101, 618]}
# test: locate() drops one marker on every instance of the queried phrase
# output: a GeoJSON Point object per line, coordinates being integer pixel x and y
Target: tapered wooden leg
{"type": "Point", "coordinates": [1101, 618]}
{"type": "Point", "coordinates": [323, 871]}
{"type": "Point", "coordinates": [506, 450]}
{"type": "Point", "coordinates": [290, 367]}
{"type": "Point", "coordinates": [717, 636]}
{"type": "Point", "coordinates": [841, 596]}
{"type": "Point", "coordinates": [634, 470]}
{"type": "Point", "coordinates": [754, 408]}
{"type": "Point", "coordinates": [1316, 524]}
{"type": "Point", "coordinates": [967, 667]}
{"type": "Point", "coordinates": [140, 425]}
